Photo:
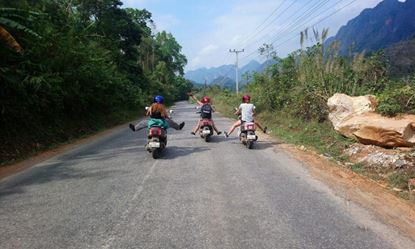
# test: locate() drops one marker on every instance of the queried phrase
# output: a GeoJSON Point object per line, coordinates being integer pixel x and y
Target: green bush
{"type": "Point", "coordinates": [398, 100]}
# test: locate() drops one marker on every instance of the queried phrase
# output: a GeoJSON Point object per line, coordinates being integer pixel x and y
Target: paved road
{"type": "Point", "coordinates": [111, 194]}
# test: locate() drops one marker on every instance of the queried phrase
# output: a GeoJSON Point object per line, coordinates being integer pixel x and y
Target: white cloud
{"type": "Point", "coordinates": [229, 31]}
{"type": "Point", "coordinates": [166, 22]}
{"type": "Point", "coordinates": [208, 49]}
{"type": "Point", "coordinates": [135, 3]}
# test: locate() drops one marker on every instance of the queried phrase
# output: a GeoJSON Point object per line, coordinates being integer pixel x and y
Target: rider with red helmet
{"type": "Point", "coordinates": [247, 112]}
{"type": "Point", "coordinates": [206, 110]}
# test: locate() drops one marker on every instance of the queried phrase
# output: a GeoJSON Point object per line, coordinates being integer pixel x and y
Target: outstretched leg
{"type": "Point", "coordinates": [260, 127]}
{"type": "Point", "coordinates": [216, 129]}
{"type": "Point", "coordinates": [236, 124]}
{"type": "Point", "coordinates": [139, 126]}
{"type": "Point", "coordinates": [175, 125]}
{"type": "Point", "coordinates": [196, 128]}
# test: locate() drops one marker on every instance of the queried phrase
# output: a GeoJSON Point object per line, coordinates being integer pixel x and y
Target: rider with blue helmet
{"type": "Point", "coordinates": [158, 116]}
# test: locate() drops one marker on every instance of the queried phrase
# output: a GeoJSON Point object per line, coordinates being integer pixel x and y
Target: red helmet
{"type": "Point", "coordinates": [205, 100]}
{"type": "Point", "coordinates": [246, 98]}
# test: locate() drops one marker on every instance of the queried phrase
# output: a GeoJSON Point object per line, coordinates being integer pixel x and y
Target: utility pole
{"type": "Point", "coordinates": [205, 87]}
{"type": "Point", "coordinates": [236, 68]}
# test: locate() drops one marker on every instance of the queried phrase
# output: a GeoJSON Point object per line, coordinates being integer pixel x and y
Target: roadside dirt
{"type": "Point", "coordinates": [365, 192]}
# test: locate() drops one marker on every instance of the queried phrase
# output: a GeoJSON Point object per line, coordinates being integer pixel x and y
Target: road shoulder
{"type": "Point", "coordinates": [351, 187]}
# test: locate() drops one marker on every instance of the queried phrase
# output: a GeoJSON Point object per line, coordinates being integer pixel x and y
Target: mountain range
{"type": "Point", "coordinates": [225, 75]}
{"type": "Point", "coordinates": [390, 22]}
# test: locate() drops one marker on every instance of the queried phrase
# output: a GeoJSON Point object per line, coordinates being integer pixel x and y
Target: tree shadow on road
{"type": "Point", "coordinates": [263, 145]}
{"type": "Point", "coordinates": [87, 162]}
{"type": "Point", "coordinates": [55, 171]}
{"type": "Point", "coordinates": [179, 151]}
{"type": "Point", "coordinates": [218, 139]}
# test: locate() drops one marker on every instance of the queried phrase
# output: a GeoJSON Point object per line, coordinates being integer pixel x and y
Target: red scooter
{"type": "Point", "coordinates": [157, 141]}
{"type": "Point", "coordinates": [247, 134]}
{"type": "Point", "coordinates": [206, 129]}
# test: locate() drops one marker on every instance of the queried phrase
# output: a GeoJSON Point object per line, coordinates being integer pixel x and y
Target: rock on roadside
{"type": "Point", "coordinates": [354, 117]}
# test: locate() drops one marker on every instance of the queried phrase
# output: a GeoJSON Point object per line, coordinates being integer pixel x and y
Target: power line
{"type": "Point", "coordinates": [295, 22]}
{"type": "Point", "coordinates": [300, 23]}
{"type": "Point", "coordinates": [310, 17]}
{"type": "Point", "coordinates": [276, 18]}
{"type": "Point", "coordinates": [266, 19]}
{"type": "Point", "coordinates": [269, 16]}
{"type": "Point", "coordinates": [253, 35]}
{"type": "Point", "coordinates": [319, 21]}
{"type": "Point", "coordinates": [285, 25]}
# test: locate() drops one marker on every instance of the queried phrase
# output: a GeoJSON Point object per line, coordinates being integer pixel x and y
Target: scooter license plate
{"type": "Point", "coordinates": [206, 132]}
{"type": "Point", "coordinates": [253, 137]}
{"type": "Point", "coordinates": [154, 144]}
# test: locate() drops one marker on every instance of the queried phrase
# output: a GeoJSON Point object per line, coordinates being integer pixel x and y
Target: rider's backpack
{"type": "Point", "coordinates": [206, 111]}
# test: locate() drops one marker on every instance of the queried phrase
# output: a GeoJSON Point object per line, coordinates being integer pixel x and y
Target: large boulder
{"type": "Point", "coordinates": [355, 117]}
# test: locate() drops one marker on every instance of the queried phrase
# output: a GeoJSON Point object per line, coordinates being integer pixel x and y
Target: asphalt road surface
{"type": "Point", "coordinates": [110, 193]}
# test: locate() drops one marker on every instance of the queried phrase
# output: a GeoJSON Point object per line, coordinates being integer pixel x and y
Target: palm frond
{"type": "Point", "coordinates": [9, 39]}
{"type": "Point", "coordinates": [4, 11]}
{"type": "Point", "coordinates": [15, 25]}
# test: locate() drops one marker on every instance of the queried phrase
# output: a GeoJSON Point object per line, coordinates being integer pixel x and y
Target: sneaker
{"type": "Point", "coordinates": [226, 134]}
{"type": "Point", "coordinates": [181, 125]}
{"type": "Point", "coordinates": [132, 127]}
{"type": "Point", "coordinates": [219, 132]}
{"type": "Point", "coordinates": [192, 133]}
{"type": "Point", "coordinates": [265, 129]}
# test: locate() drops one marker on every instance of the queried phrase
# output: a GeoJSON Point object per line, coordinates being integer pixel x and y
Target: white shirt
{"type": "Point", "coordinates": [247, 112]}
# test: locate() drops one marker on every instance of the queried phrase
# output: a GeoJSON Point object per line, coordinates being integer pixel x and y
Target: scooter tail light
{"type": "Point", "coordinates": [155, 132]}
{"type": "Point", "coordinates": [206, 122]}
{"type": "Point", "coordinates": [250, 127]}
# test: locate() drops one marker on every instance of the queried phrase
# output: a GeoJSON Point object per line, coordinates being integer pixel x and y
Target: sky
{"type": "Point", "coordinates": [207, 29]}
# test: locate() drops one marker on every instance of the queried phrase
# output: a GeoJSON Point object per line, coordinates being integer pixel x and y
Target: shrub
{"type": "Point", "coordinates": [399, 100]}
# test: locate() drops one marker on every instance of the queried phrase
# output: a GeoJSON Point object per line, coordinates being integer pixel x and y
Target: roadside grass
{"type": "Point", "coordinates": [358, 168]}
{"type": "Point", "coordinates": [399, 179]}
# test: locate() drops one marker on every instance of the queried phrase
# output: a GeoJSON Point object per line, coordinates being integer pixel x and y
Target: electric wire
{"type": "Point", "coordinates": [266, 19]}
{"type": "Point", "coordinates": [276, 18]}
{"type": "Point", "coordinates": [299, 21]}
{"type": "Point", "coordinates": [318, 3]}
{"type": "Point", "coordinates": [300, 24]}
{"type": "Point", "coordinates": [314, 24]}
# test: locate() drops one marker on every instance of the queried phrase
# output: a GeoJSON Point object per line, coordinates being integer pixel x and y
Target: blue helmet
{"type": "Point", "coordinates": [158, 99]}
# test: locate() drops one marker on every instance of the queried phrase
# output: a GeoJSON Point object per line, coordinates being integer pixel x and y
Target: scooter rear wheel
{"type": "Point", "coordinates": [249, 144]}
{"type": "Point", "coordinates": [155, 153]}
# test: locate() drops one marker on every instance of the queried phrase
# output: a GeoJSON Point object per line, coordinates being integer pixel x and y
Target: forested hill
{"type": "Point", "coordinates": [71, 67]}
{"type": "Point", "coordinates": [391, 21]}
